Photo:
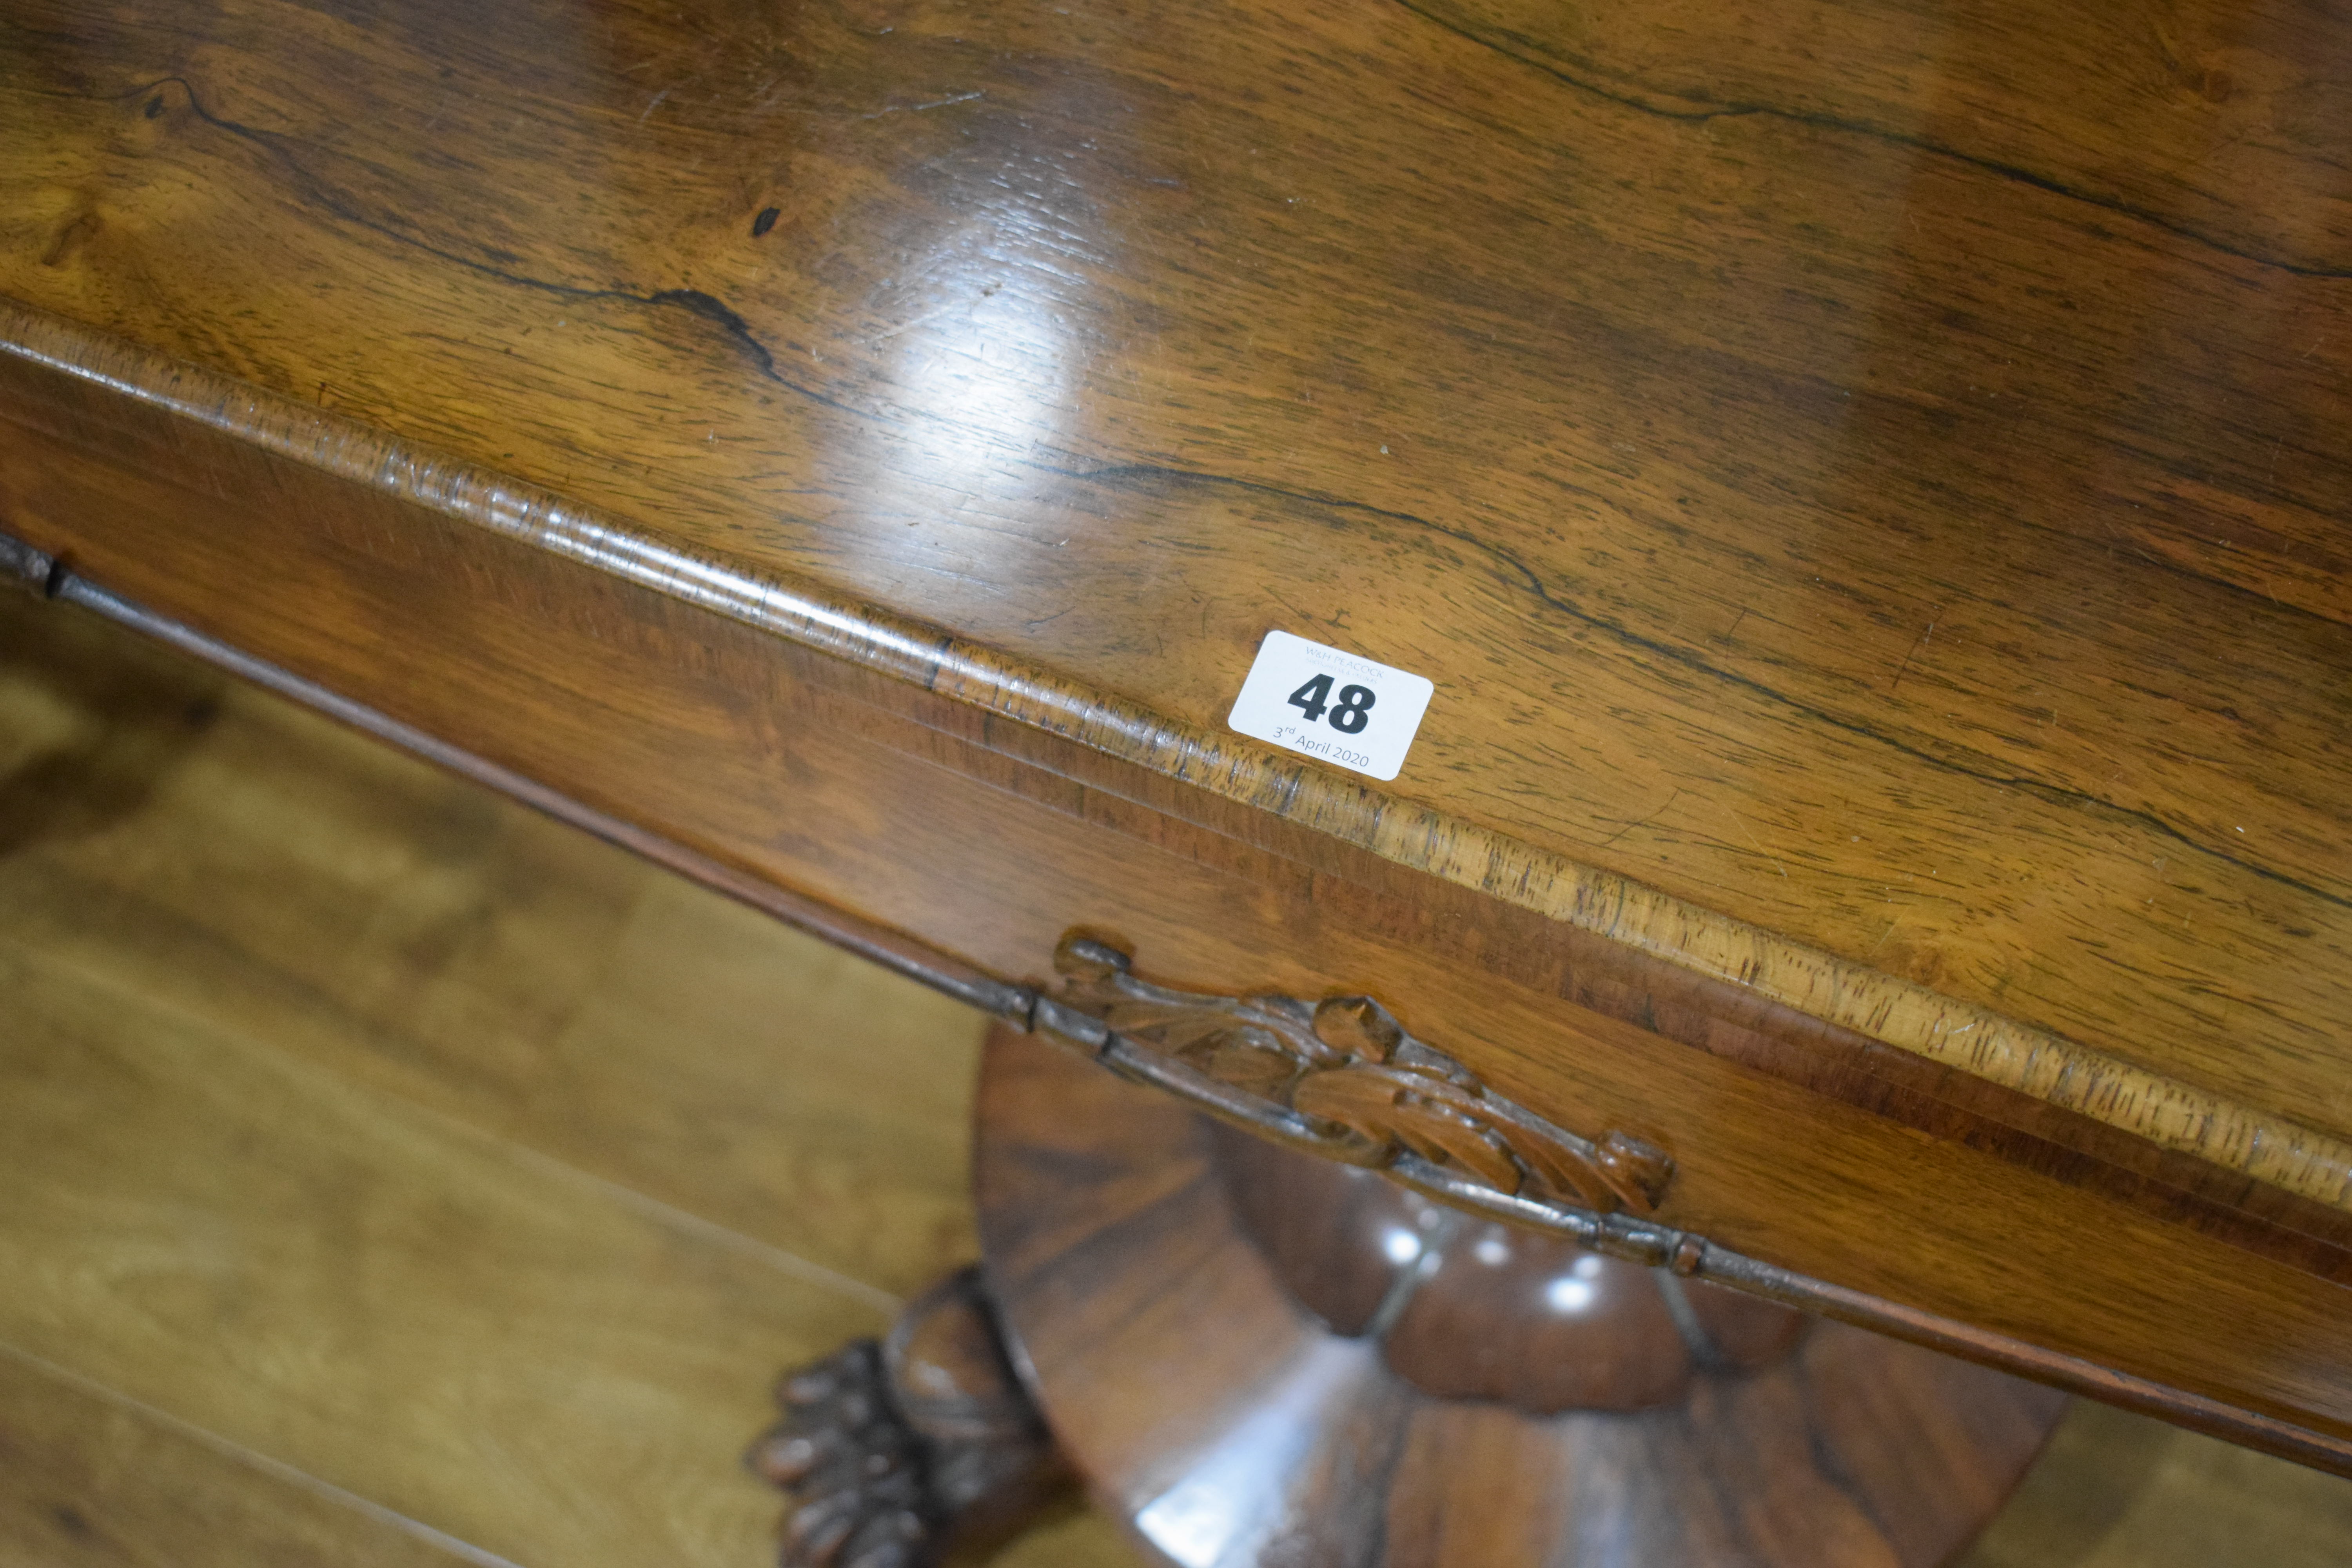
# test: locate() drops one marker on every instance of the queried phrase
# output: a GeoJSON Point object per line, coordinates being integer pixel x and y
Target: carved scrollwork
{"type": "Point", "coordinates": [1343, 1079]}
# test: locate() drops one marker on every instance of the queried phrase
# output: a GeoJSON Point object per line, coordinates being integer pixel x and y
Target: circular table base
{"type": "Point", "coordinates": [1230, 1427]}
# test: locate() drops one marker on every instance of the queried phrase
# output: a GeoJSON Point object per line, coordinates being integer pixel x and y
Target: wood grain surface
{"type": "Point", "coordinates": [1860, 479]}
{"type": "Point", "coordinates": [346, 1218]}
{"type": "Point", "coordinates": [243, 859]}
{"type": "Point", "coordinates": [88, 1479]}
{"type": "Point", "coordinates": [128, 776]}
{"type": "Point", "coordinates": [258, 1210]}
{"type": "Point", "coordinates": [2113, 1491]}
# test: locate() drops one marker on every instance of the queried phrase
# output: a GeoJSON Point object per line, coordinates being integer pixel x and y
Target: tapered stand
{"type": "Point", "coordinates": [1254, 1357]}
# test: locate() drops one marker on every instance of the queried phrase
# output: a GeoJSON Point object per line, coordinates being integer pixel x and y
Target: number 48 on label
{"type": "Point", "coordinates": [1336, 707]}
{"type": "Point", "coordinates": [1354, 711]}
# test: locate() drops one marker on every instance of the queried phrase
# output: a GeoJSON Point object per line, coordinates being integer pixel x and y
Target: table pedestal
{"type": "Point", "coordinates": [1254, 1357]}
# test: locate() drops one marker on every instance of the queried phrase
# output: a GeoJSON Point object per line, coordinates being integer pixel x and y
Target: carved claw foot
{"type": "Point", "coordinates": [899, 1453]}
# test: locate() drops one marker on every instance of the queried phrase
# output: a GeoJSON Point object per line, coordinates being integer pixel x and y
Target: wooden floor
{"type": "Point", "coordinates": [390, 1177]}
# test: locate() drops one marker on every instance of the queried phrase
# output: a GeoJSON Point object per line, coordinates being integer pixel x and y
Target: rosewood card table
{"type": "Point", "coordinates": [1862, 485]}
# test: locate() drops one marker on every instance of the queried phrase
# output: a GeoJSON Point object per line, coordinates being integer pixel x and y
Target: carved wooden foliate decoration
{"type": "Point", "coordinates": [1342, 1079]}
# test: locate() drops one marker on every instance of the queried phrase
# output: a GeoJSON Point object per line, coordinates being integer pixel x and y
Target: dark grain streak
{"type": "Point", "coordinates": [1877, 133]}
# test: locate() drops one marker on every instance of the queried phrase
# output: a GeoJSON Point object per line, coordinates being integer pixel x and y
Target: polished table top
{"type": "Point", "coordinates": [1864, 484]}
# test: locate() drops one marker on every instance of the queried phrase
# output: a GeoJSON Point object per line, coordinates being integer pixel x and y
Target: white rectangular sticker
{"type": "Point", "coordinates": [1332, 706]}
